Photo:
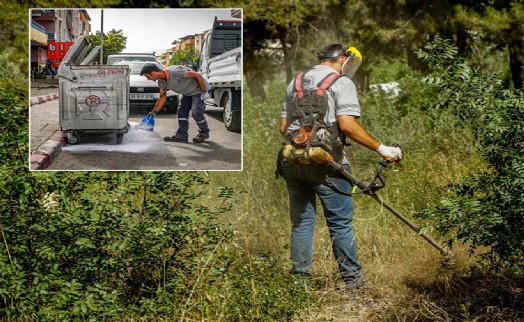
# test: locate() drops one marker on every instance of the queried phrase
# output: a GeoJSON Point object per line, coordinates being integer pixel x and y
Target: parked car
{"type": "Point", "coordinates": [115, 58]}
{"type": "Point", "coordinates": [143, 93]}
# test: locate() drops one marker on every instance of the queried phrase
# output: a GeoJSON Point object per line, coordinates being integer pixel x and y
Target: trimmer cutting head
{"type": "Point", "coordinates": [448, 260]}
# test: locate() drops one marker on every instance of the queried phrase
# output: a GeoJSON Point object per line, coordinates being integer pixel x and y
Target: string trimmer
{"type": "Point", "coordinates": [378, 183]}
{"type": "Point", "coordinates": [308, 154]}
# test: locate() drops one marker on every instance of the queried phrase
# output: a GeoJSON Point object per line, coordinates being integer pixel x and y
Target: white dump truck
{"type": "Point", "coordinates": [220, 62]}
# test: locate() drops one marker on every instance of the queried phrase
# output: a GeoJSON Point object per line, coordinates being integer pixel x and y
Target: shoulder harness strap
{"type": "Point", "coordinates": [326, 83]}
{"type": "Point", "coordinates": [298, 85]}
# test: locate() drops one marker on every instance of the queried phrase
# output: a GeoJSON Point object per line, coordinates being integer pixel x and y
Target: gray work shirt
{"type": "Point", "coordinates": [178, 81]}
{"type": "Point", "coordinates": [342, 96]}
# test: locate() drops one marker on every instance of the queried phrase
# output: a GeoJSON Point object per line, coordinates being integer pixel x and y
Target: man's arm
{"type": "Point", "coordinates": [284, 124]}
{"type": "Point", "coordinates": [161, 100]}
{"type": "Point", "coordinates": [352, 129]}
{"type": "Point", "coordinates": [199, 79]}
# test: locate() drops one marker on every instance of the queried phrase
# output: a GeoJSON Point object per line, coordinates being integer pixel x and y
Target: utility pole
{"type": "Point", "coordinates": [102, 37]}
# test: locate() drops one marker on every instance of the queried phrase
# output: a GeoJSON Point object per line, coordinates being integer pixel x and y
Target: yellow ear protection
{"type": "Point", "coordinates": [352, 63]}
{"type": "Point", "coordinates": [353, 51]}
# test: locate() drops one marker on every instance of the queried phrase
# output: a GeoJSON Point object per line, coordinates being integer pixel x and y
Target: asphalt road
{"type": "Point", "coordinates": [143, 150]}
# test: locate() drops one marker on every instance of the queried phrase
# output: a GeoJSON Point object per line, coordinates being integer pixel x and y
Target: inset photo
{"type": "Point", "coordinates": [135, 89]}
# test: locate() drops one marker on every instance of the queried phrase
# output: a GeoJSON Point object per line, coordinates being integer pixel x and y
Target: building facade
{"type": "Point", "coordinates": [54, 30]}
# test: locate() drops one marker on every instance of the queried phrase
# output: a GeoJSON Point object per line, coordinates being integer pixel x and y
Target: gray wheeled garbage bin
{"type": "Point", "coordinates": [92, 98]}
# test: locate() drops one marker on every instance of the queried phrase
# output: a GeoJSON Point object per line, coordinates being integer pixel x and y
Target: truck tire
{"type": "Point", "coordinates": [172, 107]}
{"type": "Point", "coordinates": [232, 118]}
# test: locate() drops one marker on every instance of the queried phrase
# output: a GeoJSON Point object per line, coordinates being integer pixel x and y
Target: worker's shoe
{"type": "Point", "coordinates": [355, 286]}
{"type": "Point", "coordinates": [201, 137]}
{"type": "Point", "coordinates": [175, 138]}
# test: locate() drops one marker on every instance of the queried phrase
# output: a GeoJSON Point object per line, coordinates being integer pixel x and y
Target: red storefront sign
{"type": "Point", "coordinates": [57, 50]}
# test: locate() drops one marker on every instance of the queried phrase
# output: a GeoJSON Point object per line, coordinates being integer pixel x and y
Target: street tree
{"type": "Point", "coordinates": [114, 43]}
{"type": "Point", "coordinates": [185, 57]}
{"type": "Point", "coordinates": [500, 25]}
{"type": "Point", "coordinates": [274, 33]}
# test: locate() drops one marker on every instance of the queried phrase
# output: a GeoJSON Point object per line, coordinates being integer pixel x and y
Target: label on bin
{"type": "Point", "coordinates": [92, 101]}
{"type": "Point", "coordinates": [111, 71]}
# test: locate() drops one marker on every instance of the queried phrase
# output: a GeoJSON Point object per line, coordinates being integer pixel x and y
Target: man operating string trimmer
{"type": "Point", "coordinates": [320, 110]}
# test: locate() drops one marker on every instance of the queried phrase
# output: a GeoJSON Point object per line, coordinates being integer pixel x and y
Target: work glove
{"type": "Point", "coordinates": [390, 153]}
{"type": "Point", "coordinates": [152, 113]}
{"type": "Point", "coordinates": [203, 95]}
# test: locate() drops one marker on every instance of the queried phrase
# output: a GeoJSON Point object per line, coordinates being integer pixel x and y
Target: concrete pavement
{"type": "Point", "coordinates": [49, 151]}
{"type": "Point", "coordinates": [46, 140]}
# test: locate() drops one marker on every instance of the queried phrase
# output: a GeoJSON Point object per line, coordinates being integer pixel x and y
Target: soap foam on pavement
{"type": "Point", "coordinates": [135, 141]}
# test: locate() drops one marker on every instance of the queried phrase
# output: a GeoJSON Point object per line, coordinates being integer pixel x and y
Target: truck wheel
{"type": "Point", "coordinates": [232, 119]}
{"type": "Point", "coordinates": [172, 107]}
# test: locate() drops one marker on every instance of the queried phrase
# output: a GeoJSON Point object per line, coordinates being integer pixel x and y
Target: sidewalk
{"type": "Point", "coordinates": [46, 140]}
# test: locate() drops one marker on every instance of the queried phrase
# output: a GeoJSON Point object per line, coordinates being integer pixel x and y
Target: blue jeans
{"type": "Point", "coordinates": [196, 105]}
{"type": "Point", "coordinates": [304, 183]}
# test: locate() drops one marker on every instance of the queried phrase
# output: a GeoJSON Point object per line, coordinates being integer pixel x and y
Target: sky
{"type": "Point", "coordinates": [150, 30]}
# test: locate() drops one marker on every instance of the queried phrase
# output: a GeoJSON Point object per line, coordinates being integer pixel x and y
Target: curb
{"type": "Point", "coordinates": [44, 155]}
{"type": "Point", "coordinates": [43, 98]}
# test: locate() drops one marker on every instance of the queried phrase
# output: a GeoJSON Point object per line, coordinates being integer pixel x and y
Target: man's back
{"type": "Point", "coordinates": [178, 82]}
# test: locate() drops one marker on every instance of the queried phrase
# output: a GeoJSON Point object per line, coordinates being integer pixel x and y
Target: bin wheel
{"type": "Point", "coordinates": [73, 139]}
{"type": "Point", "coordinates": [119, 138]}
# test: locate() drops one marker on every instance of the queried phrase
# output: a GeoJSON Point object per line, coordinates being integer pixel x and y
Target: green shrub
{"type": "Point", "coordinates": [486, 209]}
{"type": "Point", "coordinates": [93, 246]}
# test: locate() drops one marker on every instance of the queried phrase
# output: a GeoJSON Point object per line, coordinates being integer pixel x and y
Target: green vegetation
{"type": "Point", "coordinates": [97, 246]}
{"type": "Point", "coordinates": [184, 57]}
{"type": "Point", "coordinates": [486, 209]}
{"type": "Point", "coordinates": [489, 33]}
{"type": "Point", "coordinates": [212, 246]}
{"type": "Point", "coordinates": [114, 43]}
{"type": "Point", "coordinates": [440, 151]}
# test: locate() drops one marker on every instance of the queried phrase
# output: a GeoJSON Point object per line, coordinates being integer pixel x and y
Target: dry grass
{"type": "Point", "coordinates": [404, 275]}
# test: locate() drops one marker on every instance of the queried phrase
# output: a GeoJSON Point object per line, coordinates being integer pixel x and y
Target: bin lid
{"type": "Point", "coordinates": [77, 53]}
{"type": "Point", "coordinates": [91, 56]}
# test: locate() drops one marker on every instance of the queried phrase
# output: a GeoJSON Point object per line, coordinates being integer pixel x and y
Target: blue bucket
{"type": "Point", "coordinates": [148, 123]}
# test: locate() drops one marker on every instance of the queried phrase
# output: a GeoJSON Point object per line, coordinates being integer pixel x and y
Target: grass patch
{"type": "Point", "coordinates": [393, 256]}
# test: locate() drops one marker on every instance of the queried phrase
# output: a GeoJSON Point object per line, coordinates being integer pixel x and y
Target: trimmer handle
{"type": "Point", "coordinates": [390, 160]}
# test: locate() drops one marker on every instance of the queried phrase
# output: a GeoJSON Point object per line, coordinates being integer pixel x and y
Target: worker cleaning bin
{"type": "Point", "coordinates": [92, 98]}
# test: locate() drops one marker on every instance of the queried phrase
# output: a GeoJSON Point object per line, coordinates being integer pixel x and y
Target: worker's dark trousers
{"type": "Point", "coordinates": [196, 105]}
{"type": "Point", "coordinates": [304, 183]}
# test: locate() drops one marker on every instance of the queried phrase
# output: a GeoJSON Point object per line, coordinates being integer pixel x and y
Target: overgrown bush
{"type": "Point", "coordinates": [487, 209]}
{"type": "Point", "coordinates": [95, 245]}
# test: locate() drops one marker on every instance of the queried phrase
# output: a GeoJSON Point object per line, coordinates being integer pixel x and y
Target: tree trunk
{"type": "Point", "coordinates": [461, 39]}
{"type": "Point", "coordinates": [413, 61]}
{"type": "Point", "coordinates": [287, 60]}
{"type": "Point", "coordinates": [255, 80]}
{"type": "Point", "coordinates": [516, 55]}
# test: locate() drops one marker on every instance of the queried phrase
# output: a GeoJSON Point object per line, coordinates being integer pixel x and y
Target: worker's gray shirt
{"type": "Point", "coordinates": [342, 96]}
{"type": "Point", "coordinates": [178, 81]}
